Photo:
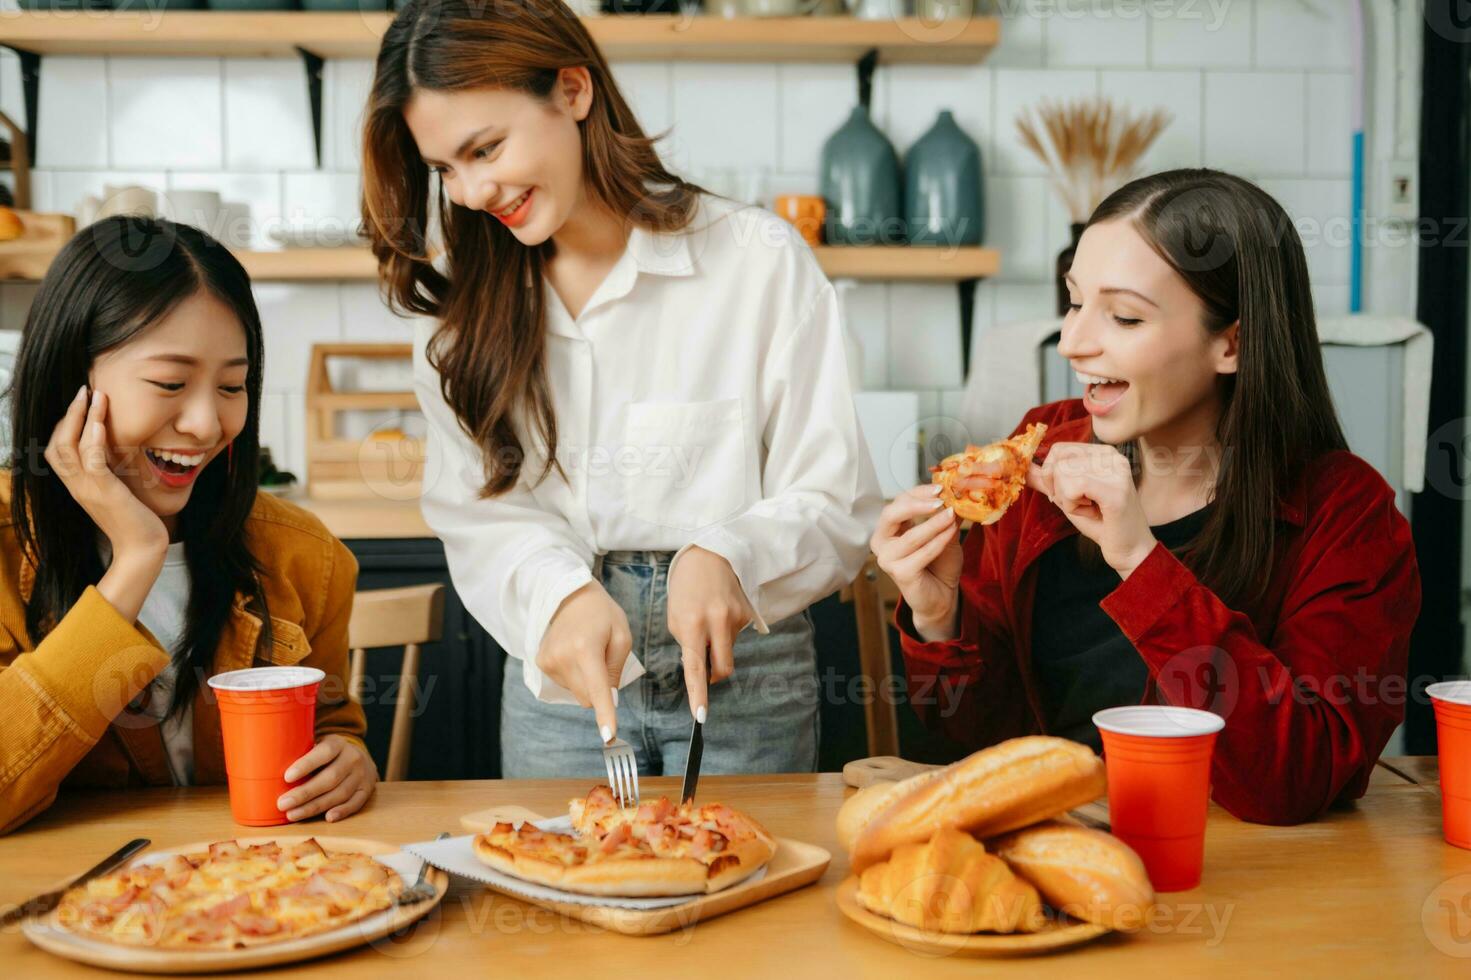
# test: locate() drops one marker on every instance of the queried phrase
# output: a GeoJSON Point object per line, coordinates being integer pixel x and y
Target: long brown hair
{"type": "Point", "coordinates": [1237, 249]}
{"type": "Point", "coordinates": [490, 346]}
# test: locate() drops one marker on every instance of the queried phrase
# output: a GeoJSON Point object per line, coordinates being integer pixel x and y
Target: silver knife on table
{"type": "Point", "coordinates": [42, 904]}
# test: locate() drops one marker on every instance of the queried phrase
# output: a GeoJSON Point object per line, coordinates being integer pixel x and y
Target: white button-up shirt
{"type": "Point", "coordinates": [702, 398]}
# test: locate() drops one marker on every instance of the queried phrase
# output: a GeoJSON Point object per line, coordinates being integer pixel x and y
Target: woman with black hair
{"type": "Point", "coordinates": [136, 556]}
{"type": "Point", "coordinates": [1195, 531]}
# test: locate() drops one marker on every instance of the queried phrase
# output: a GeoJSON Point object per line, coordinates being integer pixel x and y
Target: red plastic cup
{"type": "Point", "coordinates": [268, 718]}
{"type": "Point", "coordinates": [1159, 773]}
{"type": "Point", "coordinates": [1452, 702]}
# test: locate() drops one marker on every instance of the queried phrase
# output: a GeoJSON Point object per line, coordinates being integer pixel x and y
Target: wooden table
{"type": "Point", "coordinates": [1344, 895]}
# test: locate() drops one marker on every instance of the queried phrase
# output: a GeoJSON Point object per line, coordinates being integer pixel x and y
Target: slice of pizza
{"type": "Point", "coordinates": [980, 483]}
{"type": "Point", "coordinates": [656, 848]}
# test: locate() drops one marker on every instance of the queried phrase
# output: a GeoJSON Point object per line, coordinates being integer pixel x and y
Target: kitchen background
{"type": "Point", "coordinates": [1264, 88]}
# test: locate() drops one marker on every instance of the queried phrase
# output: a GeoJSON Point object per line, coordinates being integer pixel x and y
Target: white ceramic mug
{"type": "Point", "coordinates": [130, 199]}
{"type": "Point", "coordinates": [198, 208]}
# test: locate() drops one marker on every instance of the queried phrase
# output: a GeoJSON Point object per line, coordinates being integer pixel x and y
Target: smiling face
{"type": "Point", "coordinates": [508, 153]}
{"type": "Point", "coordinates": [176, 398]}
{"type": "Point", "coordinates": [1136, 335]}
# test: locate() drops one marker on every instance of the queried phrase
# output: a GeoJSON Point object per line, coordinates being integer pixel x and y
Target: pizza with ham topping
{"type": "Point", "coordinates": [982, 482]}
{"type": "Point", "coordinates": [230, 897]}
{"type": "Point", "coordinates": [653, 849]}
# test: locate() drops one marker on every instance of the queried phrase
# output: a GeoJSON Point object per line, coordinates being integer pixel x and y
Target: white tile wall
{"type": "Point", "coordinates": [1259, 87]}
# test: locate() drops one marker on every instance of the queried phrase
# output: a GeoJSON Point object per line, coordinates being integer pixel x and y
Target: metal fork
{"type": "Point", "coordinates": [622, 771]}
{"type": "Point", "coordinates": [420, 889]}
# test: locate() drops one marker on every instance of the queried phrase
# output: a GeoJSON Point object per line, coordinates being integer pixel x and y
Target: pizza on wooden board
{"type": "Point", "coordinates": [230, 897]}
{"type": "Point", "coordinates": [980, 483]}
{"type": "Point", "coordinates": [654, 849]}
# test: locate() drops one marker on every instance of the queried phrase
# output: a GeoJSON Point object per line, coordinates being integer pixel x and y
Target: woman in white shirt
{"type": "Point", "coordinates": [641, 434]}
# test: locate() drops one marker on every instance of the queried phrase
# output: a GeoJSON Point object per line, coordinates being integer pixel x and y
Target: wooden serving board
{"type": "Point", "coordinates": [881, 769]}
{"type": "Point", "coordinates": [1054, 937]}
{"type": "Point", "coordinates": [794, 865]}
{"type": "Point", "coordinates": [134, 959]}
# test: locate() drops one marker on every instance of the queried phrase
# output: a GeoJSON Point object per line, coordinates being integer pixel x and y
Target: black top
{"type": "Point", "coordinates": [1081, 659]}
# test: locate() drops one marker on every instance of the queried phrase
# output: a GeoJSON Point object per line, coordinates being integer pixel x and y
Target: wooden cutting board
{"type": "Point", "coordinates": [794, 865]}
{"type": "Point", "coordinates": [881, 769]}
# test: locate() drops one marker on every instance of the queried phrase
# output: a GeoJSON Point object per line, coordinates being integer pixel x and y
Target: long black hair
{"type": "Point", "coordinates": [1237, 250]}
{"type": "Point", "coordinates": [111, 281]}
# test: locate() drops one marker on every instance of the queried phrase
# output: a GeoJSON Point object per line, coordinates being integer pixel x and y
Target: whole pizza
{"type": "Point", "coordinates": [230, 897]}
{"type": "Point", "coordinates": [655, 849]}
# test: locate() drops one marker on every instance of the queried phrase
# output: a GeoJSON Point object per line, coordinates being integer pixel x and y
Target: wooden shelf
{"type": "Point", "coordinates": [922, 263]}
{"type": "Point", "coordinates": [907, 263]}
{"type": "Point", "coordinates": [623, 38]}
{"type": "Point", "coordinates": [887, 263]}
{"type": "Point", "coordinates": [309, 264]}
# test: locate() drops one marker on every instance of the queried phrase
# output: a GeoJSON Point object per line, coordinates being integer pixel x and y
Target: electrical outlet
{"type": "Point", "coordinates": [1400, 188]}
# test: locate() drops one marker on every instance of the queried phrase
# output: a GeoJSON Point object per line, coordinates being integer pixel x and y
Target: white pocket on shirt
{"type": "Point", "coordinates": [691, 462]}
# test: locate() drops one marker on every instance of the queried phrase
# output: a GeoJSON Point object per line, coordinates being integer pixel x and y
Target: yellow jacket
{"type": "Point", "coordinates": [62, 702]}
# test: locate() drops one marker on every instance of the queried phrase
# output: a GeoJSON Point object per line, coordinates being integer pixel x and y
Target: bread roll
{"type": "Point", "coordinates": [1001, 788]}
{"type": "Point", "coordinates": [858, 809]}
{"type": "Point", "coordinates": [950, 885]}
{"type": "Point", "coordinates": [1082, 872]}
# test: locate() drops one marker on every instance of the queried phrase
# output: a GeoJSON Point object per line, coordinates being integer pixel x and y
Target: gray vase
{"type": "Point", "coordinates": [942, 187]}
{"type": "Point", "coordinates": [861, 185]}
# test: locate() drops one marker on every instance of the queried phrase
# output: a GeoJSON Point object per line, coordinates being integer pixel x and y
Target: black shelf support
{"type": "Point", "coordinates": [866, 65]}
{"type": "Point", "coordinates": [967, 289]}
{"type": "Point", "coordinates": [30, 80]}
{"type": "Point", "coordinates": [314, 63]}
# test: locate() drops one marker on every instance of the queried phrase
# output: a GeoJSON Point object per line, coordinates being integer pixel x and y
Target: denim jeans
{"type": "Point", "coordinates": [764, 718]}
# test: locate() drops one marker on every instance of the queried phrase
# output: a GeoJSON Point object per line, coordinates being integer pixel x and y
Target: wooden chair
{"type": "Point", "coordinates": [406, 617]}
{"type": "Point", "coordinates": [875, 596]}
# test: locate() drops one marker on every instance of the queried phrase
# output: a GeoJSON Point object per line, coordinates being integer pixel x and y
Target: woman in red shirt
{"type": "Point", "coordinates": [1194, 529]}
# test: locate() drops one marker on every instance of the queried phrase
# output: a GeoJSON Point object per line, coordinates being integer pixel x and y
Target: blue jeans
{"type": "Point", "coordinates": [762, 719]}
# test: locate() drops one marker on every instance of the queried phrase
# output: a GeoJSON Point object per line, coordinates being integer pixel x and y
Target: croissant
{"type": "Point", "coordinates": [950, 884]}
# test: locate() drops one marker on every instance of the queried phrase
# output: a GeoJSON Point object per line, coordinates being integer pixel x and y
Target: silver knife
{"type": "Point", "coordinates": [42, 904]}
{"type": "Point", "coordinates": [692, 767]}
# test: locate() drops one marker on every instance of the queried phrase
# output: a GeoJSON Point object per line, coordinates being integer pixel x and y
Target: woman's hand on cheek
{"type": "Point", "coordinates": [707, 610]}
{"type": "Point", "coordinates": [80, 455]}
{"type": "Point", "coordinates": [344, 780]}
{"type": "Point", "coordinates": [1093, 485]}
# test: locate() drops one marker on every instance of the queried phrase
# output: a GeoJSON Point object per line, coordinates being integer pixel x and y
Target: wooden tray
{"type": "Point", "coordinates": [1056, 936]}
{"type": "Point", "coordinates": [95, 952]}
{"type": "Point", "coordinates": [795, 864]}
{"type": "Point", "coordinates": [881, 769]}
{"type": "Point", "coordinates": [29, 256]}
{"type": "Point", "coordinates": [383, 467]}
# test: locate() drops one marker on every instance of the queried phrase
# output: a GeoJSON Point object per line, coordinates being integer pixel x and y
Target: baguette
{"type": "Point", "coordinates": [858, 809]}
{"type": "Point", "coordinates": [1001, 788]}
{"type": "Point", "coordinates": [1082, 872]}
